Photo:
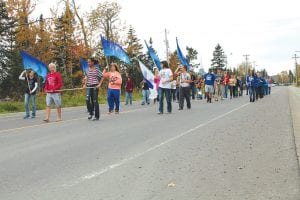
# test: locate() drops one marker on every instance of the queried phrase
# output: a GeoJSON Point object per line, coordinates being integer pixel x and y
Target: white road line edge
{"type": "Point", "coordinates": [126, 160]}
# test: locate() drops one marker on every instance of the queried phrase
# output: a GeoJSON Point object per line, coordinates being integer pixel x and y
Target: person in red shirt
{"type": "Point", "coordinates": [52, 86]}
{"type": "Point", "coordinates": [225, 84]}
{"type": "Point", "coordinates": [129, 89]}
{"type": "Point", "coordinates": [270, 85]}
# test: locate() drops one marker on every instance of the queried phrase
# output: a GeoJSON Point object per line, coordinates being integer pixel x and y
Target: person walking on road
{"type": "Point", "coordinates": [129, 90]}
{"type": "Point", "coordinates": [166, 77]}
{"type": "Point", "coordinates": [52, 86]}
{"type": "Point", "coordinates": [146, 92]}
{"type": "Point", "coordinates": [30, 92]}
{"type": "Point", "coordinates": [232, 86]}
{"type": "Point", "coordinates": [209, 85]}
{"type": "Point", "coordinates": [114, 88]}
{"type": "Point", "coordinates": [156, 82]}
{"type": "Point", "coordinates": [251, 79]}
{"type": "Point", "coordinates": [184, 88]}
{"type": "Point", "coordinates": [93, 81]}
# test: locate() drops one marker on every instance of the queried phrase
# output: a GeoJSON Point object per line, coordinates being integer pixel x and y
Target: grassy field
{"type": "Point", "coordinates": [69, 99]}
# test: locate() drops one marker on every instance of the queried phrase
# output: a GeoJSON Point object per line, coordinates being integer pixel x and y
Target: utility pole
{"type": "Point", "coordinates": [167, 45]}
{"type": "Point", "coordinates": [246, 56]}
{"type": "Point", "coordinates": [295, 57]}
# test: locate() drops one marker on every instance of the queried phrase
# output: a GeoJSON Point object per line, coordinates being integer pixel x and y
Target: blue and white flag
{"type": "Point", "coordinates": [153, 56]}
{"type": "Point", "coordinates": [112, 49]}
{"type": "Point", "coordinates": [147, 74]}
{"type": "Point", "coordinates": [30, 62]}
{"type": "Point", "coordinates": [149, 77]}
{"type": "Point", "coordinates": [182, 59]}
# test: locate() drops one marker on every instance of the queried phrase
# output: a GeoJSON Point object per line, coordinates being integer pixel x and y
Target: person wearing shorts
{"type": "Point", "coordinates": [209, 85]}
{"type": "Point", "coordinates": [52, 86]}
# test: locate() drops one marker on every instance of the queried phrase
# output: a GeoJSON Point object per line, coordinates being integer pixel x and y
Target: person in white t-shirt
{"type": "Point", "coordinates": [166, 77]}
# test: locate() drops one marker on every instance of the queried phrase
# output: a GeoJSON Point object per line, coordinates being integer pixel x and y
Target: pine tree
{"type": "Point", "coordinates": [64, 43]}
{"type": "Point", "coordinates": [218, 61]}
{"type": "Point", "coordinates": [42, 46]}
{"type": "Point", "coordinates": [191, 54]}
{"type": "Point", "coordinates": [15, 35]}
{"type": "Point", "coordinates": [133, 49]}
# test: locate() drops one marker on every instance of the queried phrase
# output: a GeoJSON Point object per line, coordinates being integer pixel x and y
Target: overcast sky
{"type": "Point", "coordinates": [269, 31]}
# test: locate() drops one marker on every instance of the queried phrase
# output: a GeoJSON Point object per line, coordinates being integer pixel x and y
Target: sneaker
{"type": "Point", "coordinates": [160, 113]}
{"type": "Point", "coordinates": [109, 112]}
{"type": "Point", "coordinates": [116, 112]}
{"type": "Point", "coordinates": [180, 108]}
{"type": "Point", "coordinates": [95, 119]}
{"type": "Point", "coordinates": [26, 117]}
{"type": "Point", "coordinates": [33, 116]}
{"type": "Point", "coordinates": [90, 117]}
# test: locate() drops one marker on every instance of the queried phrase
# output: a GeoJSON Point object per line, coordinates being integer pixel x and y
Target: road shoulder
{"type": "Point", "coordinates": [294, 98]}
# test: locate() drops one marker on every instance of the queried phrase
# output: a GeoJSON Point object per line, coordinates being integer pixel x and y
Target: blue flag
{"type": "Point", "coordinates": [182, 59]}
{"type": "Point", "coordinates": [30, 62]}
{"type": "Point", "coordinates": [153, 56]}
{"type": "Point", "coordinates": [84, 65]}
{"type": "Point", "coordinates": [112, 49]}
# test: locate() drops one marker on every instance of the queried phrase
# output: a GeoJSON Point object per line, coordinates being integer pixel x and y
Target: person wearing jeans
{"type": "Point", "coordinates": [128, 90]}
{"type": "Point", "coordinates": [251, 79]}
{"type": "Point", "coordinates": [185, 91]}
{"type": "Point", "coordinates": [146, 93]}
{"type": "Point", "coordinates": [166, 76]}
{"type": "Point", "coordinates": [114, 87]}
{"type": "Point", "coordinates": [30, 92]}
{"type": "Point", "coordinates": [225, 83]}
{"type": "Point", "coordinates": [93, 82]}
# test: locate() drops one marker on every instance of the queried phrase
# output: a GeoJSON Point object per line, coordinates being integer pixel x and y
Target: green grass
{"type": "Point", "coordinates": [69, 99]}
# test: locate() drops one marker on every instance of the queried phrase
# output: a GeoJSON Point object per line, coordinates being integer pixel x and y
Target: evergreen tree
{"type": "Point", "coordinates": [218, 61]}
{"type": "Point", "coordinates": [10, 44]}
{"type": "Point", "coordinates": [64, 43]}
{"type": "Point", "coordinates": [191, 54]}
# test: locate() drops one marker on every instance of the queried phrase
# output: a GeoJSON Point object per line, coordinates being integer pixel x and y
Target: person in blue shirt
{"type": "Point", "coordinates": [209, 85]}
{"type": "Point", "coordinates": [266, 86]}
{"type": "Point", "coordinates": [251, 81]}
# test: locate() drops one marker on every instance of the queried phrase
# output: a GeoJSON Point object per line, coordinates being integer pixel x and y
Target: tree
{"type": "Point", "coordinates": [218, 61]}
{"type": "Point", "coordinates": [21, 9]}
{"type": "Point", "coordinates": [20, 37]}
{"type": "Point", "coordinates": [83, 29]}
{"type": "Point", "coordinates": [174, 61]}
{"type": "Point", "coordinates": [42, 47]}
{"type": "Point", "coordinates": [7, 50]}
{"type": "Point", "coordinates": [133, 49]}
{"type": "Point", "coordinates": [64, 43]}
{"type": "Point", "coordinates": [191, 54]}
{"type": "Point", "coordinates": [291, 76]}
{"type": "Point", "coordinates": [104, 19]}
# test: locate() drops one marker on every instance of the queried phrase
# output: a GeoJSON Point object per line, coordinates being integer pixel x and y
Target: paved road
{"type": "Point", "coordinates": [230, 150]}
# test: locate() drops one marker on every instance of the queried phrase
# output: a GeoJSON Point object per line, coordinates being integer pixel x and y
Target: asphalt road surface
{"type": "Point", "coordinates": [231, 149]}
